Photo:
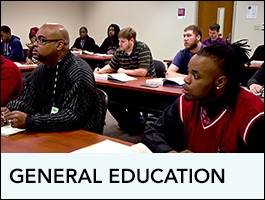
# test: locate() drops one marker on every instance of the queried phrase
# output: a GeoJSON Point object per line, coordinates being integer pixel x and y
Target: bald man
{"type": "Point", "coordinates": [60, 94]}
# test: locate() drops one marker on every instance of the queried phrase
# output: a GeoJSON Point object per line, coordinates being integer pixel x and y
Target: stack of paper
{"type": "Point", "coordinates": [115, 76]}
{"type": "Point", "coordinates": [155, 81]}
{"type": "Point", "coordinates": [256, 62]}
{"type": "Point", "coordinates": [121, 77]}
{"type": "Point", "coordinates": [25, 65]}
{"type": "Point", "coordinates": [100, 54]}
{"type": "Point", "coordinates": [108, 146]}
{"type": "Point", "coordinates": [87, 52]}
{"type": "Point", "coordinates": [7, 130]}
{"type": "Point", "coordinates": [174, 82]}
{"type": "Point", "coordinates": [101, 76]}
{"type": "Point", "coordinates": [76, 52]}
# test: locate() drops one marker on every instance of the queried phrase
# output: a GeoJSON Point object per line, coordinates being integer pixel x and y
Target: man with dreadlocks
{"type": "Point", "coordinates": [214, 114]}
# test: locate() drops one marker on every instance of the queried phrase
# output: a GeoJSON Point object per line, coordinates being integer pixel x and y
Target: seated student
{"type": "Point", "coordinates": [192, 43]}
{"type": "Point", "coordinates": [84, 42]}
{"type": "Point", "coordinates": [214, 114]}
{"type": "Point", "coordinates": [133, 58]}
{"type": "Point", "coordinates": [257, 55]}
{"type": "Point", "coordinates": [60, 94]}
{"type": "Point", "coordinates": [32, 38]}
{"type": "Point", "coordinates": [111, 43]}
{"type": "Point", "coordinates": [214, 37]}
{"type": "Point", "coordinates": [11, 45]}
{"type": "Point", "coordinates": [251, 67]}
{"type": "Point", "coordinates": [256, 82]}
{"type": "Point", "coordinates": [11, 81]}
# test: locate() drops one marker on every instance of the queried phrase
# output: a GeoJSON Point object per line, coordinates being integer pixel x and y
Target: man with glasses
{"type": "Point", "coordinates": [60, 94]}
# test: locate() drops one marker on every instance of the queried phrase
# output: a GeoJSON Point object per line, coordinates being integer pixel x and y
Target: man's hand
{"type": "Point", "coordinates": [121, 70]}
{"type": "Point", "coordinates": [17, 119]}
{"type": "Point", "coordinates": [256, 88]}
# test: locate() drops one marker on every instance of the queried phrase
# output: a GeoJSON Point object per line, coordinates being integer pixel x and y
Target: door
{"type": "Point", "coordinates": [208, 14]}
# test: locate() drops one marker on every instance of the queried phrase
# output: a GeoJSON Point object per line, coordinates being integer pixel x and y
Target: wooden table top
{"type": "Point", "coordinates": [52, 142]}
{"type": "Point", "coordinates": [94, 56]}
{"type": "Point", "coordinates": [136, 85]}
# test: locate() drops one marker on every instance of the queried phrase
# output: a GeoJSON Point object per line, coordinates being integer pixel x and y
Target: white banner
{"type": "Point", "coordinates": [132, 176]}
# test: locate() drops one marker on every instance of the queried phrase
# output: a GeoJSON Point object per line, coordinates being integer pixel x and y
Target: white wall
{"type": "Point", "coordinates": [155, 22]}
{"type": "Point", "coordinates": [20, 16]}
{"type": "Point", "coordinates": [244, 28]}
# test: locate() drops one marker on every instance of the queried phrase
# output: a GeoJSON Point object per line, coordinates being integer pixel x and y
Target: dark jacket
{"type": "Point", "coordinates": [89, 45]}
{"type": "Point", "coordinates": [108, 44]}
{"type": "Point", "coordinates": [13, 49]}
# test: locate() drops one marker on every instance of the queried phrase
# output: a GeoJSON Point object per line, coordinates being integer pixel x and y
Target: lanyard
{"type": "Point", "coordinates": [55, 85]}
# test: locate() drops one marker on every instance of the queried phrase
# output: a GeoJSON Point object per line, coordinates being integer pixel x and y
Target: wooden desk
{"type": "Point", "coordinates": [93, 57]}
{"type": "Point", "coordinates": [27, 69]}
{"type": "Point", "coordinates": [131, 94]}
{"type": "Point", "coordinates": [168, 61]}
{"type": "Point", "coordinates": [53, 142]}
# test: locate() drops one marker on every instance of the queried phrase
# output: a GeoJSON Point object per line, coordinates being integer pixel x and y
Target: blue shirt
{"type": "Point", "coordinates": [181, 60]}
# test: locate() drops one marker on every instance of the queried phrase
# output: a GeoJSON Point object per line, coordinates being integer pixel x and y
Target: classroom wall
{"type": "Point", "coordinates": [244, 28]}
{"type": "Point", "coordinates": [20, 16]}
{"type": "Point", "coordinates": [155, 22]}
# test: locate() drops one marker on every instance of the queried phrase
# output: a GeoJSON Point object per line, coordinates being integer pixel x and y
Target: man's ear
{"type": "Point", "coordinates": [132, 40]}
{"type": "Point", "coordinates": [198, 38]}
{"type": "Point", "coordinates": [220, 82]}
{"type": "Point", "coordinates": [60, 45]}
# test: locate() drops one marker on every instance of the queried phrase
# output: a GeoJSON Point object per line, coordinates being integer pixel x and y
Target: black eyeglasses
{"type": "Point", "coordinates": [42, 41]}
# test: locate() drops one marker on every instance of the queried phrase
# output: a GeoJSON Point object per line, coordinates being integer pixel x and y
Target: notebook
{"type": "Point", "coordinates": [173, 82]}
{"type": "Point", "coordinates": [7, 130]}
{"type": "Point", "coordinates": [115, 76]}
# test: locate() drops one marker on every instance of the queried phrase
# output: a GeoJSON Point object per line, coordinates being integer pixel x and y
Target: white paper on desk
{"type": "Point", "coordinates": [87, 52]}
{"type": "Point", "coordinates": [101, 76]}
{"type": "Point", "coordinates": [25, 65]}
{"type": "Point", "coordinates": [121, 77]}
{"type": "Point", "coordinates": [108, 146]}
{"type": "Point", "coordinates": [76, 52]}
{"type": "Point", "coordinates": [7, 130]}
{"type": "Point", "coordinates": [155, 81]}
{"type": "Point", "coordinates": [160, 81]}
{"type": "Point", "coordinates": [100, 54]}
{"type": "Point", "coordinates": [257, 62]}
{"type": "Point", "coordinates": [179, 80]}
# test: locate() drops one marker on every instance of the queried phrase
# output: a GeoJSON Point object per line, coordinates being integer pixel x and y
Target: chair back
{"type": "Point", "coordinates": [26, 51]}
{"type": "Point", "coordinates": [160, 68]}
{"type": "Point", "coordinates": [104, 99]}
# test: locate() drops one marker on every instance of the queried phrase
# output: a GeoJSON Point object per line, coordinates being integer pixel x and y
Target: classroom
{"type": "Point", "coordinates": [162, 30]}
{"type": "Point", "coordinates": [65, 134]}
{"type": "Point", "coordinates": [154, 21]}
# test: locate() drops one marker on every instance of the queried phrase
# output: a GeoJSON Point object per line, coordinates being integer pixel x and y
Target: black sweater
{"type": "Point", "coordinates": [76, 97]}
{"type": "Point", "coordinates": [89, 45]}
{"type": "Point", "coordinates": [258, 77]}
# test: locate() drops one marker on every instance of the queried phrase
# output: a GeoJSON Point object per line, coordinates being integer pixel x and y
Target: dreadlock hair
{"type": "Point", "coordinates": [231, 59]}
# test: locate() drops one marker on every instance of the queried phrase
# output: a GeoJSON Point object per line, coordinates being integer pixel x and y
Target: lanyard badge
{"type": "Point", "coordinates": [54, 110]}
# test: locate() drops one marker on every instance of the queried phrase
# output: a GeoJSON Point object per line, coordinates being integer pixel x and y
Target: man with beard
{"type": "Point", "coordinates": [214, 113]}
{"type": "Point", "coordinates": [133, 58]}
{"type": "Point", "coordinates": [192, 42]}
